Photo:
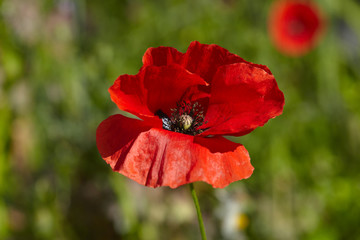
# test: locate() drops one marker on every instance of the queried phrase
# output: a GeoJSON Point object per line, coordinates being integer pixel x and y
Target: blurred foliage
{"type": "Point", "coordinates": [57, 59]}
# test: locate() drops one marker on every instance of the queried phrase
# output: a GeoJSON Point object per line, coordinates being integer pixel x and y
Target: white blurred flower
{"type": "Point", "coordinates": [231, 212]}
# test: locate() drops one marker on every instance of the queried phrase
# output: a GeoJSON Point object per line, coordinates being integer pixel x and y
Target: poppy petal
{"type": "Point", "coordinates": [117, 132]}
{"type": "Point", "coordinates": [243, 97]}
{"type": "Point", "coordinates": [152, 89]}
{"type": "Point", "coordinates": [204, 59]}
{"type": "Point", "coordinates": [157, 157]}
{"type": "Point", "coordinates": [161, 56]}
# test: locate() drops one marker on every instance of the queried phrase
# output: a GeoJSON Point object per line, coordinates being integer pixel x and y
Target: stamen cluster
{"type": "Point", "coordinates": [187, 118]}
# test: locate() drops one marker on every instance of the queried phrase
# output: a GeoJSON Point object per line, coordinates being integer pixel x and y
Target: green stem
{"type": "Point", "coordinates": [197, 206]}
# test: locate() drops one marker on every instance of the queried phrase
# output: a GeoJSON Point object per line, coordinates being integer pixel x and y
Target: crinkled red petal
{"type": "Point", "coordinates": [204, 59]}
{"type": "Point", "coordinates": [201, 59]}
{"type": "Point", "coordinates": [156, 157]}
{"type": "Point", "coordinates": [243, 97]}
{"type": "Point", "coordinates": [116, 134]}
{"type": "Point", "coordinates": [161, 56]}
{"type": "Point", "coordinates": [152, 89]}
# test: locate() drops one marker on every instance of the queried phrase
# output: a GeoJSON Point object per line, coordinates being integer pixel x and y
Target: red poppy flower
{"type": "Point", "coordinates": [295, 26]}
{"type": "Point", "coordinates": [186, 101]}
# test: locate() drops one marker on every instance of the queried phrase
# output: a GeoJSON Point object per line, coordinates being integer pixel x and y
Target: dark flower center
{"type": "Point", "coordinates": [185, 118]}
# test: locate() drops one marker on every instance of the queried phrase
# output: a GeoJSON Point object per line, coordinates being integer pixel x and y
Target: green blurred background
{"type": "Point", "coordinates": [57, 60]}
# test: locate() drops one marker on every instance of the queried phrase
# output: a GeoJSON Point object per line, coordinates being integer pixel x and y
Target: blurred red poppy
{"type": "Point", "coordinates": [186, 101]}
{"type": "Point", "coordinates": [295, 26]}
